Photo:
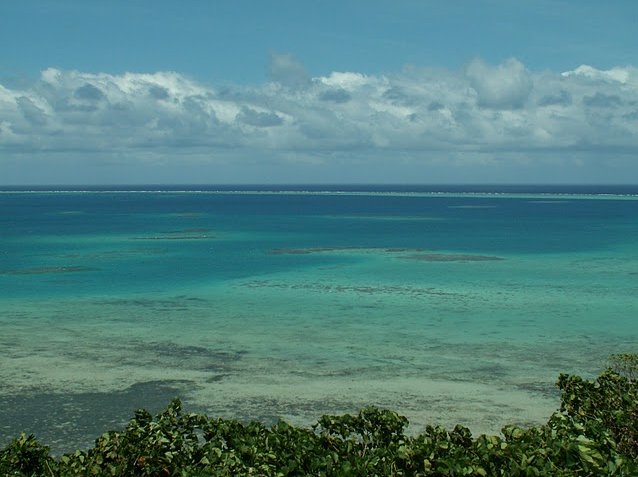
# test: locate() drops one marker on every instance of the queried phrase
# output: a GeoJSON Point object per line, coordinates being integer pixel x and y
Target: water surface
{"type": "Point", "coordinates": [448, 304]}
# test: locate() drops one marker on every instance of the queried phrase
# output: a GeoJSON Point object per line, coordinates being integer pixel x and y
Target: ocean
{"type": "Point", "coordinates": [449, 304]}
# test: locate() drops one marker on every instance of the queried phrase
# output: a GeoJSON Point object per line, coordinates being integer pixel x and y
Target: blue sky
{"type": "Point", "coordinates": [285, 91]}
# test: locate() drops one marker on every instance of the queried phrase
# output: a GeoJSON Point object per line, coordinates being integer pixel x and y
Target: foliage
{"type": "Point", "coordinates": [595, 433]}
{"type": "Point", "coordinates": [625, 364]}
{"type": "Point", "coordinates": [24, 456]}
{"type": "Point", "coordinates": [606, 405]}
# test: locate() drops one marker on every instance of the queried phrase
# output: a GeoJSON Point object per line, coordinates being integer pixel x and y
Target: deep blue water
{"type": "Point", "coordinates": [620, 189]}
{"type": "Point", "coordinates": [43, 229]}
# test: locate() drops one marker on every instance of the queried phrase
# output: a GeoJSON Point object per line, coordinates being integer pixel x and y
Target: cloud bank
{"type": "Point", "coordinates": [419, 116]}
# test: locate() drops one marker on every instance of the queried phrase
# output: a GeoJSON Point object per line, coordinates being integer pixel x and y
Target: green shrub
{"type": "Point", "coordinates": [608, 406]}
{"type": "Point", "coordinates": [24, 456]}
{"type": "Point", "coordinates": [595, 433]}
{"type": "Point", "coordinates": [625, 364]}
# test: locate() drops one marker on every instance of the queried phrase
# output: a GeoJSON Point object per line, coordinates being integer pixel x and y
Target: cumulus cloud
{"type": "Point", "coordinates": [335, 95]}
{"type": "Point", "coordinates": [560, 98]}
{"type": "Point", "coordinates": [158, 92]}
{"type": "Point", "coordinates": [505, 86]}
{"type": "Point", "coordinates": [601, 100]}
{"type": "Point", "coordinates": [258, 118]}
{"type": "Point", "coordinates": [30, 111]}
{"type": "Point", "coordinates": [88, 92]}
{"type": "Point", "coordinates": [500, 110]}
{"type": "Point", "coordinates": [620, 75]}
{"type": "Point", "coordinates": [287, 70]}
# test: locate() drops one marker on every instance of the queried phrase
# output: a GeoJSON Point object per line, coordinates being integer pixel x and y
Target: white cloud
{"type": "Point", "coordinates": [504, 110]}
{"type": "Point", "coordinates": [287, 70]}
{"type": "Point", "coordinates": [620, 75]}
{"type": "Point", "coordinates": [506, 86]}
{"type": "Point", "coordinates": [261, 119]}
{"type": "Point", "coordinates": [345, 80]}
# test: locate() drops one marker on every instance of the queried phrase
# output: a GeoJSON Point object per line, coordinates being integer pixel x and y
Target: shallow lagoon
{"type": "Point", "coordinates": [447, 307]}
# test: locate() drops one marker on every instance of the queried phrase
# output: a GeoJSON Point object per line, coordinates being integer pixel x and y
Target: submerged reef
{"type": "Point", "coordinates": [441, 257]}
{"type": "Point", "coordinates": [417, 254]}
{"type": "Point", "coordinates": [47, 270]}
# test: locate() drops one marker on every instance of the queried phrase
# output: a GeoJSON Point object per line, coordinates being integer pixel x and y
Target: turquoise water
{"type": "Point", "coordinates": [449, 305]}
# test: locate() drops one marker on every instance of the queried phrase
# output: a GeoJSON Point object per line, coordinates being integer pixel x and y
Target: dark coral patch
{"type": "Point", "coordinates": [440, 257]}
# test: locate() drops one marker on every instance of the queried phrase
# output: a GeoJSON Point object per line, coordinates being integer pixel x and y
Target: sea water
{"type": "Point", "coordinates": [450, 305]}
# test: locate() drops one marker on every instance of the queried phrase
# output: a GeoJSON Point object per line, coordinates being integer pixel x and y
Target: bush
{"type": "Point", "coordinates": [625, 364]}
{"type": "Point", "coordinates": [595, 433]}
{"type": "Point", "coordinates": [24, 456]}
{"type": "Point", "coordinates": [608, 406]}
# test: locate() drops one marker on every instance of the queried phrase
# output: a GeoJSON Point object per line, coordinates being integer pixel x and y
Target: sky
{"type": "Point", "coordinates": [321, 91]}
